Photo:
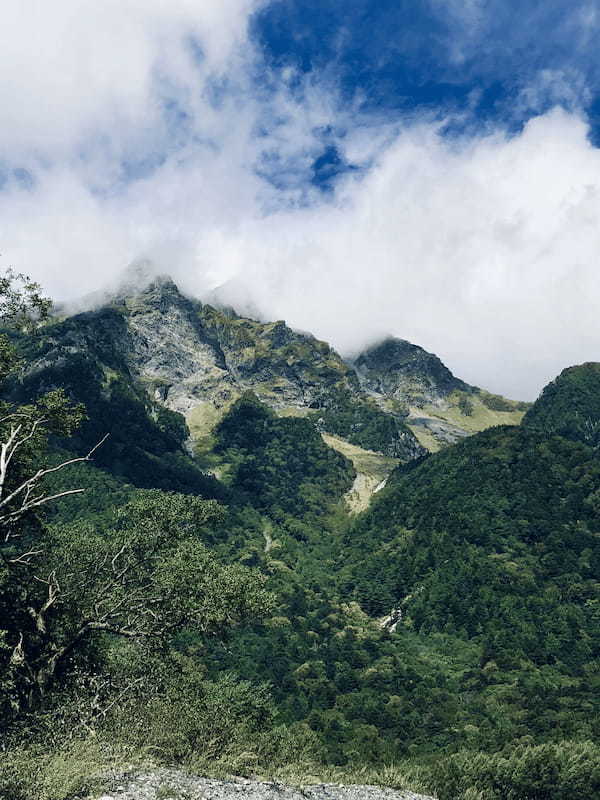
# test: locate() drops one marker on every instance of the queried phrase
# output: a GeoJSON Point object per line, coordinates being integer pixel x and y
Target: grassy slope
{"type": "Point", "coordinates": [481, 417]}
{"type": "Point", "coordinates": [372, 469]}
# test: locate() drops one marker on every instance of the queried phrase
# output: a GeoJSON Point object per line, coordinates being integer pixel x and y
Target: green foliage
{"type": "Point", "coordinates": [144, 577]}
{"type": "Point", "coordinates": [8, 357]}
{"type": "Point", "coordinates": [51, 414]}
{"type": "Point", "coordinates": [496, 402]}
{"type": "Point", "coordinates": [496, 541]}
{"type": "Point", "coordinates": [363, 423]}
{"type": "Point", "coordinates": [140, 623]}
{"type": "Point", "coordinates": [102, 491]}
{"type": "Point", "coordinates": [40, 773]}
{"type": "Point", "coordinates": [145, 443]}
{"type": "Point", "coordinates": [570, 405]}
{"type": "Point", "coordinates": [466, 406]}
{"type": "Point", "coordinates": [560, 771]}
{"type": "Point", "coordinates": [192, 715]}
{"type": "Point", "coordinates": [283, 465]}
{"type": "Point", "coordinates": [369, 697]}
{"type": "Point", "coordinates": [24, 432]}
{"type": "Point", "coordinates": [21, 300]}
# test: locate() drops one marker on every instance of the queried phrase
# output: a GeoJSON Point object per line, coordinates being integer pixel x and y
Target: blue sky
{"type": "Point", "coordinates": [481, 64]}
{"type": "Point", "coordinates": [429, 169]}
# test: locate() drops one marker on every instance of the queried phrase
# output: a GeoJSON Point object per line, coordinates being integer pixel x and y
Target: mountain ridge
{"type": "Point", "coordinates": [192, 359]}
{"type": "Point", "coordinates": [405, 371]}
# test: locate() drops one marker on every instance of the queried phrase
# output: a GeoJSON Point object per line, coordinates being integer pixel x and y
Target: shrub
{"type": "Point", "coordinates": [496, 403]}
{"type": "Point", "coordinates": [465, 406]}
{"type": "Point", "coordinates": [559, 771]}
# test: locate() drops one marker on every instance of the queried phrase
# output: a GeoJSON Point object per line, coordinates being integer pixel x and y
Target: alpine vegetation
{"type": "Point", "coordinates": [189, 579]}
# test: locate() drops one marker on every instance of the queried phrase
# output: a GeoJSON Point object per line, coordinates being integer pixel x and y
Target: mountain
{"type": "Point", "coordinates": [479, 565]}
{"type": "Point", "coordinates": [189, 353]}
{"type": "Point", "coordinates": [158, 371]}
{"type": "Point", "coordinates": [497, 540]}
{"type": "Point", "coordinates": [451, 628]}
{"type": "Point", "coordinates": [397, 369]}
{"type": "Point", "coordinates": [440, 408]}
{"type": "Point", "coordinates": [161, 354]}
{"type": "Point", "coordinates": [570, 405]}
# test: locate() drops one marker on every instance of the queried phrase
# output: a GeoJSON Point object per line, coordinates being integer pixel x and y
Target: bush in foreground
{"type": "Point", "coordinates": [561, 771]}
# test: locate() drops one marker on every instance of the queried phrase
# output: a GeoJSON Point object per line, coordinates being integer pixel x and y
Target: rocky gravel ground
{"type": "Point", "coordinates": [174, 785]}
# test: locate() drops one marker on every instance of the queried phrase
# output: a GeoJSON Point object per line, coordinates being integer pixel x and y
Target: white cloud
{"type": "Point", "coordinates": [74, 70]}
{"type": "Point", "coordinates": [565, 87]}
{"type": "Point", "coordinates": [484, 251]}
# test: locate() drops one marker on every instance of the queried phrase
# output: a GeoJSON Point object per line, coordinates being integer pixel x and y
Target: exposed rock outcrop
{"type": "Point", "coordinates": [440, 408]}
{"type": "Point", "coordinates": [175, 785]}
{"type": "Point", "coordinates": [195, 359]}
{"type": "Point", "coordinates": [191, 357]}
{"type": "Point", "coordinates": [406, 372]}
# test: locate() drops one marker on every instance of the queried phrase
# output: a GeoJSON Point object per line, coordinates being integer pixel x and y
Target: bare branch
{"type": "Point", "coordinates": [24, 558]}
{"type": "Point", "coordinates": [53, 593]}
{"type": "Point", "coordinates": [104, 711]}
{"type": "Point", "coordinates": [23, 492]}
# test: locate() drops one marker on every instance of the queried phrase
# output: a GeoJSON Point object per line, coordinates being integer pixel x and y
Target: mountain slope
{"type": "Point", "coordinates": [87, 356]}
{"type": "Point", "coordinates": [192, 353]}
{"type": "Point", "coordinates": [156, 355]}
{"type": "Point", "coordinates": [440, 408]}
{"type": "Point", "coordinates": [176, 356]}
{"type": "Point", "coordinates": [397, 369]}
{"type": "Point", "coordinates": [570, 405]}
{"type": "Point", "coordinates": [486, 554]}
{"type": "Point", "coordinates": [497, 541]}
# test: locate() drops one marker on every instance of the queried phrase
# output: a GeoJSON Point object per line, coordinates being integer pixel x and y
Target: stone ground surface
{"type": "Point", "coordinates": [174, 785]}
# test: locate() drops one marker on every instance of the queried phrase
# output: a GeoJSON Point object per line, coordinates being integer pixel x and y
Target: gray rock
{"type": "Point", "coordinates": [165, 784]}
{"type": "Point", "coordinates": [188, 356]}
{"type": "Point", "coordinates": [404, 371]}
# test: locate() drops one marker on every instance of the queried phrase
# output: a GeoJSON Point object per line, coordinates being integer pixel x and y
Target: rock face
{"type": "Point", "coordinates": [184, 352]}
{"type": "Point", "coordinates": [167, 349]}
{"type": "Point", "coordinates": [189, 352]}
{"type": "Point", "coordinates": [440, 408]}
{"type": "Point", "coordinates": [405, 372]}
{"type": "Point", "coordinates": [195, 359]}
{"type": "Point", "coordinates": [173, 785]}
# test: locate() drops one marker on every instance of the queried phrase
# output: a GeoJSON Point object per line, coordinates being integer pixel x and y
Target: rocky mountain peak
{"type": "Point", "coordinates": [159, 292]}
{"type": "Point", "coordinates": [408, 373]}
{"type": "Point", "coordinates": [197, 359]}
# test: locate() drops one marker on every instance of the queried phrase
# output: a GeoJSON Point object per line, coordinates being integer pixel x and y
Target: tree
{"type": "Point", "coordinates": [144, 578]}
{"type": "Point", "coordinates": [24, 430]}
{"type": "Point", "coordinates": [21, 299]}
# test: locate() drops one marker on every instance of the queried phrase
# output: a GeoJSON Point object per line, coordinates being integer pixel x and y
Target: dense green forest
{"type": "Point", "coordinates": [364, 424]}
{"type": "Point", "coordinates": [237, 624]}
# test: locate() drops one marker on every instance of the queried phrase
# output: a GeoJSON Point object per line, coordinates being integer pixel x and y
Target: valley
{"type": "Point", "coordinates": [214, 596]}
{"type": "Point", "coordinates": [372, 471]}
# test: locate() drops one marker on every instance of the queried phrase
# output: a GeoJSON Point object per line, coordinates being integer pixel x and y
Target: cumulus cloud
{"type": "Point", "coordinates": [484, 252]}
{"type": "Point", "coordinates": [73, 72]}
{"type": "Point", "coordinates": [139, 132]}
{"type": "Point", "coordinates": [117, 133]}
